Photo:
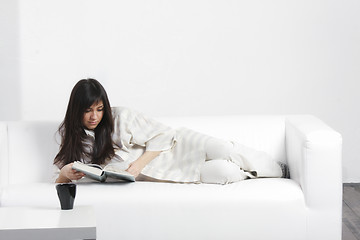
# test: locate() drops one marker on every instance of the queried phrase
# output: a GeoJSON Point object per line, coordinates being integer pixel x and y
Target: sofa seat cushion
{"type": "Point", "coordinates": [277, 205]}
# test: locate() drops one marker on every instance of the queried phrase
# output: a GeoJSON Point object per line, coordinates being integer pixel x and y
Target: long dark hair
{"type": "Point", "coordinates": [84, 94]}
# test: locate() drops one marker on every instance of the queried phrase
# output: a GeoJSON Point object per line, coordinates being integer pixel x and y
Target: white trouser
{"type": "Point", "coordinates": [228, 162]}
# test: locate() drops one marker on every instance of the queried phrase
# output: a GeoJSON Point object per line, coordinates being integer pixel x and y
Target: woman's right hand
{"type": "Point", "coordinates": [67, 174]}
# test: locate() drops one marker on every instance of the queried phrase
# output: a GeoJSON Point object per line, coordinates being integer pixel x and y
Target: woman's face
{"type": "Point", "coordinates": [93, 115]}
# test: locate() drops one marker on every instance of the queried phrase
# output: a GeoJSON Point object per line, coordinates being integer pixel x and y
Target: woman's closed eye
{"type": "Point", "coordinates": [90, 110]}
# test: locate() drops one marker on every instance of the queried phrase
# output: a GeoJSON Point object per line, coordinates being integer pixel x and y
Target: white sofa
{"type": "Point", "coordinates": [307, 206]}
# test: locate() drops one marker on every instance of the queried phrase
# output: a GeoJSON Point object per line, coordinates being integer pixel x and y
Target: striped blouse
{"type": "Point", "coordinates": [182, 150]}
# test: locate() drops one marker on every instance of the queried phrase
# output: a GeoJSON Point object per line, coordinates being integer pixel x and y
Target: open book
{"type": "Point", "coordinates": [98, 173]}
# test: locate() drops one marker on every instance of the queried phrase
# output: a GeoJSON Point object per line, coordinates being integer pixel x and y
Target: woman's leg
{"type": "Point", "coordinates": [235, 162]}
{"type": "Point", "coordinates": [220, 171]}
{"type": "Point", "coordinates": [257, 162]}
{"type": "Point", "coordinates": [218, 167]}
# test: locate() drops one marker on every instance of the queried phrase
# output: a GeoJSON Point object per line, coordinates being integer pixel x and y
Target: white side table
{"type": "Point", "coordinates": [46, 223]}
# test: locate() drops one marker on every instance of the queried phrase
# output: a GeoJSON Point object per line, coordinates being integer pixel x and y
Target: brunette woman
{"type": "Point", "coordinates": [93, 132]}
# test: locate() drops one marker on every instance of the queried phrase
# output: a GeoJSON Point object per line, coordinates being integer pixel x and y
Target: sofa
{"type": "Point", "coordinates": [306, 206]}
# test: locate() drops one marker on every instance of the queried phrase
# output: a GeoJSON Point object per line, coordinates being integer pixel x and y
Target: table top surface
{"type": "Point", "coordinates": [14, 218]}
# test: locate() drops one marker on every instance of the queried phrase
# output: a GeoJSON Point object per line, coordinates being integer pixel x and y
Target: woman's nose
{"type": "Point", "coordinates": [93, 115]}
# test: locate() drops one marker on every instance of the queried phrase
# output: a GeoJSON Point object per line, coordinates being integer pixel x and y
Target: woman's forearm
{"type": "Point", "coordinates": [148, 156]}
{"type": "Point", "coordinates": [137, 166]}
{"type": "Point", "coordinates": [67, 174]}
{"type": "Point", "coordinates": [62, 179]}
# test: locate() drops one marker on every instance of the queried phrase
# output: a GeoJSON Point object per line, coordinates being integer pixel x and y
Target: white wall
{"type": "Point", "coordinates": [10, 95]}
{"type": "Point", "coordinates": [192, 57]}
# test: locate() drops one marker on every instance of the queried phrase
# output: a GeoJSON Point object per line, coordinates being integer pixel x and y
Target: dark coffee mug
{"type": "Point", "coordinates": [66, 193]}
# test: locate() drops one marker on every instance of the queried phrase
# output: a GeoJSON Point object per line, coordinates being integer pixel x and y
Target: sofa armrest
{"type": "Point", "coordinates": [314, 155]}
{"type": "Point", "coordinates": [4, 155]}
{"type": "Point", "coordinates": [4, 158]}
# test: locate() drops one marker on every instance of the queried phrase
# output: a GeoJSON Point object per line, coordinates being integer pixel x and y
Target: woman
{"type": "Point", "coordinates": [93, 132]}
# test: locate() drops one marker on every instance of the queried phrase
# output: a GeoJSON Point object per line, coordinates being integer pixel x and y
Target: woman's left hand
{"type": "Point", "coordinates": [136, 167]}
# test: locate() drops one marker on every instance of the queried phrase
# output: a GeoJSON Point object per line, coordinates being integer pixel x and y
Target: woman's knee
{"type": "Point", "coordinates": [218, 149]}
{"type": "Point", "coordinates": [220, 171]}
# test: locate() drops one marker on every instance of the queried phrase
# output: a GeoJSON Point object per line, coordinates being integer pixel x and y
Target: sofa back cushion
{"type": "Point", "coordinates": [261, 132]}
{"type": "Point", "coordinates": [32, 146]}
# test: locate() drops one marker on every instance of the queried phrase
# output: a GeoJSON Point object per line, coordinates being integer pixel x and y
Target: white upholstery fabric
{"type": "Point", "coordinates": [307, 206]}
{"type": "Point", "coordinates": [256, 209]}
{"type": "Point", "coordinates": [32, 148]}
{"type": "Point", "coordinates": [314, 156]}
{"type": "Point", "coordinates": [4, 156]}
{"type": "Point", "coordinates": [263, 133]}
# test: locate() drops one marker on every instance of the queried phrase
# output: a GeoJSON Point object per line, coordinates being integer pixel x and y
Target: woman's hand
{"type": "Point", "coordinates": [67, 174]}
{"type": "Point", "coordinates": [138, 165]}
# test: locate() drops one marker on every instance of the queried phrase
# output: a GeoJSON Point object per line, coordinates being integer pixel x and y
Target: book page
{"type": "Point", "coordinates": [79, 166]}
{"type": "Point", "coordinates": [116, 171]}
